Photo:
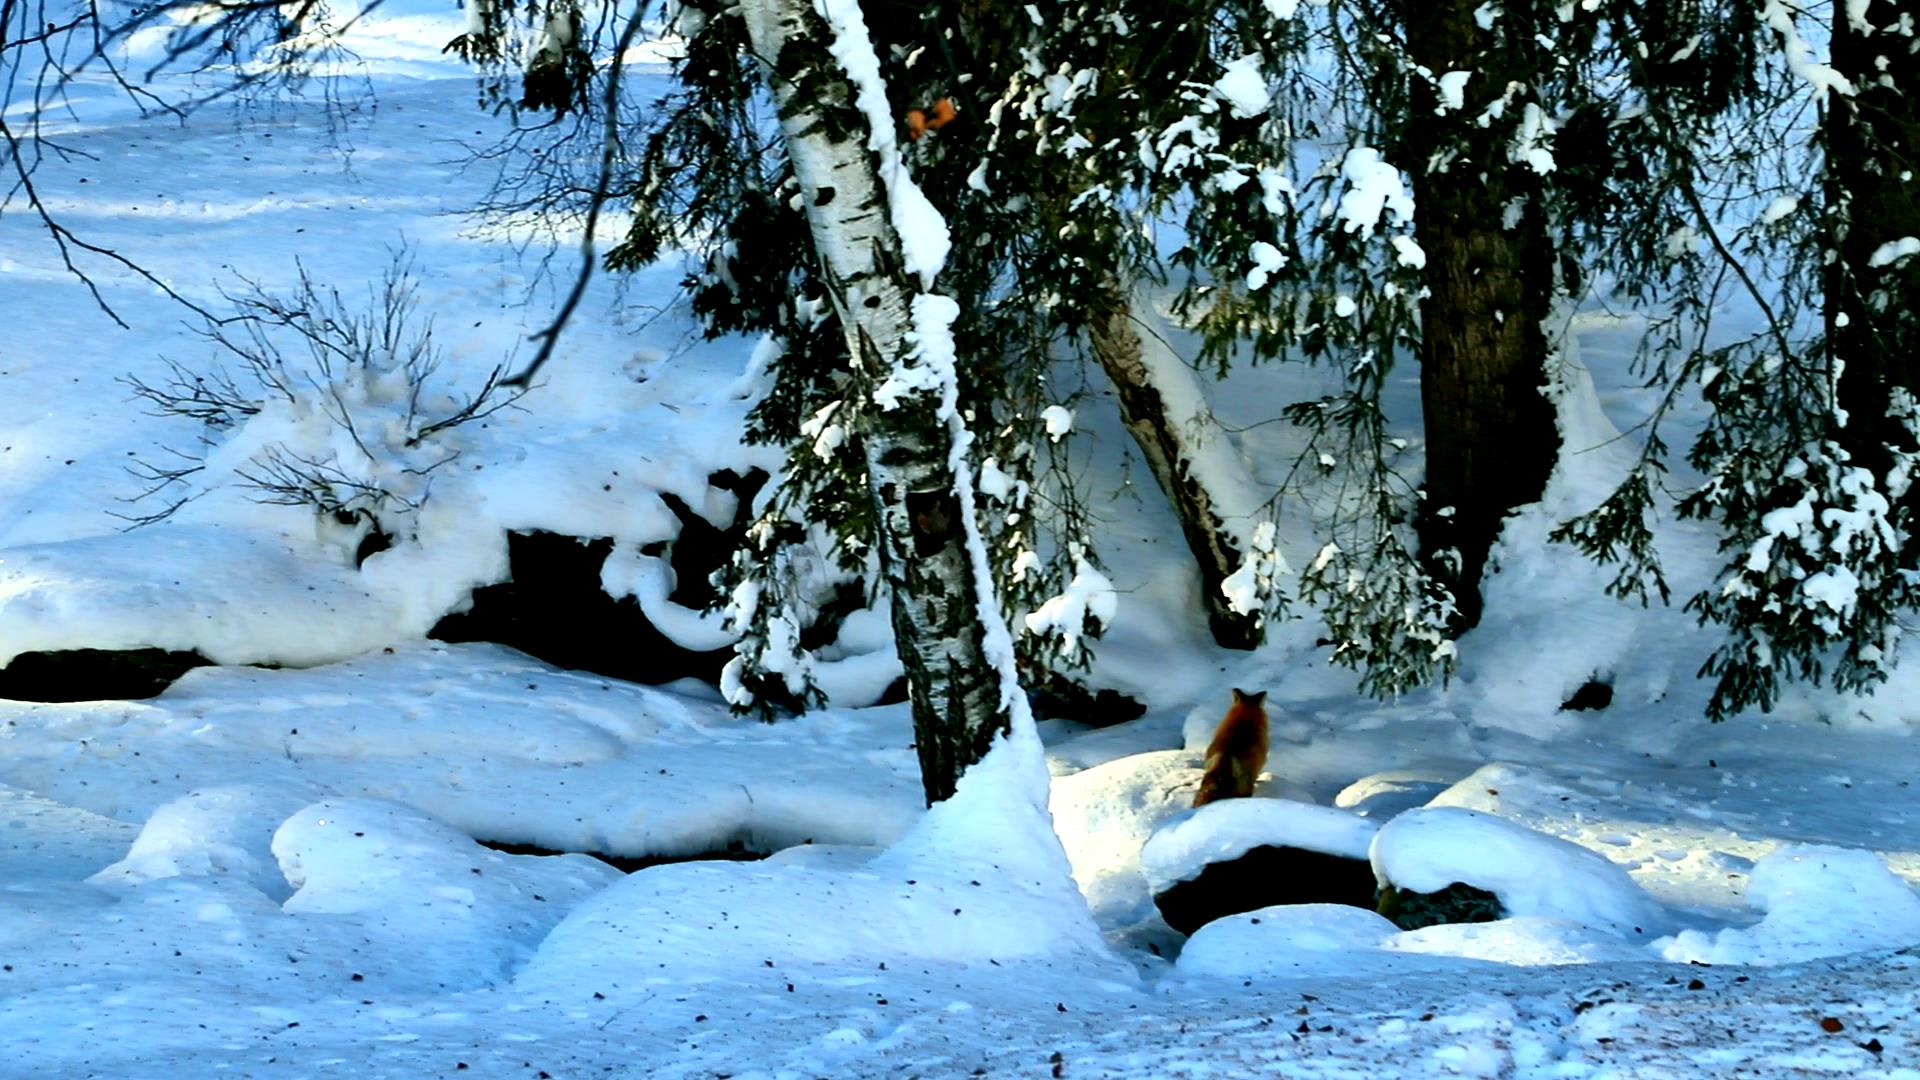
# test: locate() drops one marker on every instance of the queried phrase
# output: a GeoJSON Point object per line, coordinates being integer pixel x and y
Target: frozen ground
{"type": "Point", "coordinates": [275, 873]}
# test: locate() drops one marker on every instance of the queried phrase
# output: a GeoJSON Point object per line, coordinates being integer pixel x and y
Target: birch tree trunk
{"type": "Point", "coordinates": [910, 444]}
{"type": "Point", "coordinates": [1143, 409]}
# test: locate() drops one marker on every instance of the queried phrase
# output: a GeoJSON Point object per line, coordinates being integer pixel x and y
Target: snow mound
{"type": "Point", "coordinates": [1528, 941]}
{"type": "Point", "coordinates": [1386, 794]}
{"type": "Point", "coordinates": [1532, 873]}
{"type": "Point", "coordinates": [1104, 816]}
{"type": "Point", "coordinates": [1299, 941]}
{"type": "Point", "coordinates": [45, 838]}
{"type": "Point", "coordinates": [1230, 828]}
{"type": "Point", "coordinates": [1819, 901]}
{"type": "Point", "coordinates": [980, 879]}
{"type": "Point", "coordinates": [233, 597]}
{"type": "Point", "coordinates": [423, 896]}
{"type": "Point", "coordinates": [212, 832]}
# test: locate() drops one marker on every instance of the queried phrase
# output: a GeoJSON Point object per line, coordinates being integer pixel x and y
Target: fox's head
{"type": "Point", "coordinates": [1241, 697]}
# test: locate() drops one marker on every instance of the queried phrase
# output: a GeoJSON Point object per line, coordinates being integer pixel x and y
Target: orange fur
{"type": "Point", "coordinates": [1238, 751]}
{"type": "Point", "coordinates": [932, 118]}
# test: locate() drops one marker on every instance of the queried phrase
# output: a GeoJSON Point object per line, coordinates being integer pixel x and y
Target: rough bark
{"type": "Point", "coordinates": [1165, 447]}
{"type": "Point", "coordinates": [922, 538]}
{"type": "Point", "coordinates": [1873, 185]}
{"type": "Point", "coordinates": [1491, 438]}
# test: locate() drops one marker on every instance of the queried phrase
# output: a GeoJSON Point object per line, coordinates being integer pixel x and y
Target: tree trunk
{"type": "Point", "coordinates": [923, 524]}
{"type": "Point", "coordinates": [1491, 438]}
{"type": "Point", "coordinates": [1168, 453]}
{"type": "Point", "coordinates": [1873, 193]}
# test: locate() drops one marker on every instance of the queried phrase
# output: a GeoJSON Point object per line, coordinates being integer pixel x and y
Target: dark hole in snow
{"type": "Point", "coordinates": [1057, 697]}
{"type": "Point", "coordinates": [735, 851]}
{"type": "Point", "coordinates": [554, 608]}
{"type": "Point", "coordinates": [1457, 903]}
{"type": "Point", "coordinates": [1592, 695]}
{"type": "Point", "coordinates": [1265, 876]}
{"type": "Point", "coordinates": [94, 674]}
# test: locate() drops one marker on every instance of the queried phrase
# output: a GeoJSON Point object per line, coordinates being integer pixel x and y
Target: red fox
{"type": "Point", "coordinates": [1238, 751]}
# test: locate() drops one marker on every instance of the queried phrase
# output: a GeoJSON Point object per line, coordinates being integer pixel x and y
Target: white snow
{"type": "Point", "coordinates": [272, 872]}
{"type": "Point", "coordinates": [1243, 86]}
{"type": "Point", "coordinates": [276, 601]}
{"type": "Point", "coordinates": [1225, 830]}
{"type": "Point", "coordinates": [1058, 420]}
{"type": "Point", "coordinates": [1374, 189]}
{"type": "Point", "coordinates": [1266, 259]}
{"type": "Point", "coordinates": [1816, 900]}
{"type": "Point", "coordinates": [1894, 250]}
{"type": "Point", "coordinates": [1532, 873]}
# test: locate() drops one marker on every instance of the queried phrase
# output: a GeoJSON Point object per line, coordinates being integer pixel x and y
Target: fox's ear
{"type": "Point", "coordinates": [1238, 695]}
{"type": "Point", "coordinates": [1256, 699]}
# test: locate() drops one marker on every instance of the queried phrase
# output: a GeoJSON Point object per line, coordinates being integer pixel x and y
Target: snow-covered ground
{"type": "Point", "coordinates": [275, 872]}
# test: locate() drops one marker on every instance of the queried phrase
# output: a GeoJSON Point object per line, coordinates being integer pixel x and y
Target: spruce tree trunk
{"type": "Point", "coordinates": [1164, 445]}
{"type": "Point", "coordinates": [1873, 188]}
{"type": "Point", "coordinates": [921, 529]}
{"type": "Point", "coordinates": [1491, 438]}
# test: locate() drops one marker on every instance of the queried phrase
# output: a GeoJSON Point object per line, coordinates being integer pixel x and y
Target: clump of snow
{"type": "Point", "coordinates": [1532, 873]}
{"type": "Point", "coordinates": [1266, 259]}
{"type": "Point", "coordinates": [1779, 208]}
{"type": "Point", "coordinates": [212, 832]}
{"type": "Point", "coordinates": [1059, 421]}
{"type": "Point", "coordinates": [1409, 253]}
{"type": "Point", "coordinates": [421, 893]}
{"type": "Point", "coordinates": [1244, 87]}
{"type": "Point", "coordinates": [1230, 828]}
{"type": "Point", "coordinates": [1374, 189]}
{"type": "Point", "coordinates": [1894, 250]}
{"type": "Point", "coordinates": [1818, 901]}
{"type": "Point", "coordinates": [1087, 602]}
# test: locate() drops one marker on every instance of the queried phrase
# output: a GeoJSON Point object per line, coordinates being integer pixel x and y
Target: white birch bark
{"type": "Point", "coordinates": [956, 688]}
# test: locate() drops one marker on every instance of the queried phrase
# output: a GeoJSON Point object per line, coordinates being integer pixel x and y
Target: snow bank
{"type": "Point", "coordinates": [1230, 828]}
{"type": "Point", "coordinates": [423, 896]}
{"type": "Point", "coordinates": [234, 597]}
{"type": "Point", "coordinates": [981, 879]}
{"type": "Point", "coordinates": [1532, 873]}
{"type": "Point", "coordinates": [1818, 901]}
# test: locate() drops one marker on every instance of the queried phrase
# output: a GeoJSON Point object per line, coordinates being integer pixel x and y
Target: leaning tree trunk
{"type": "Point", "coordinates": [1491, 439]}
{"type": "Point", "coordinates": [1873, 188]}
{"type": "Point", "coordinates": [922, 522]}
{"type": "Point", "coordinates": [1169, 455]}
